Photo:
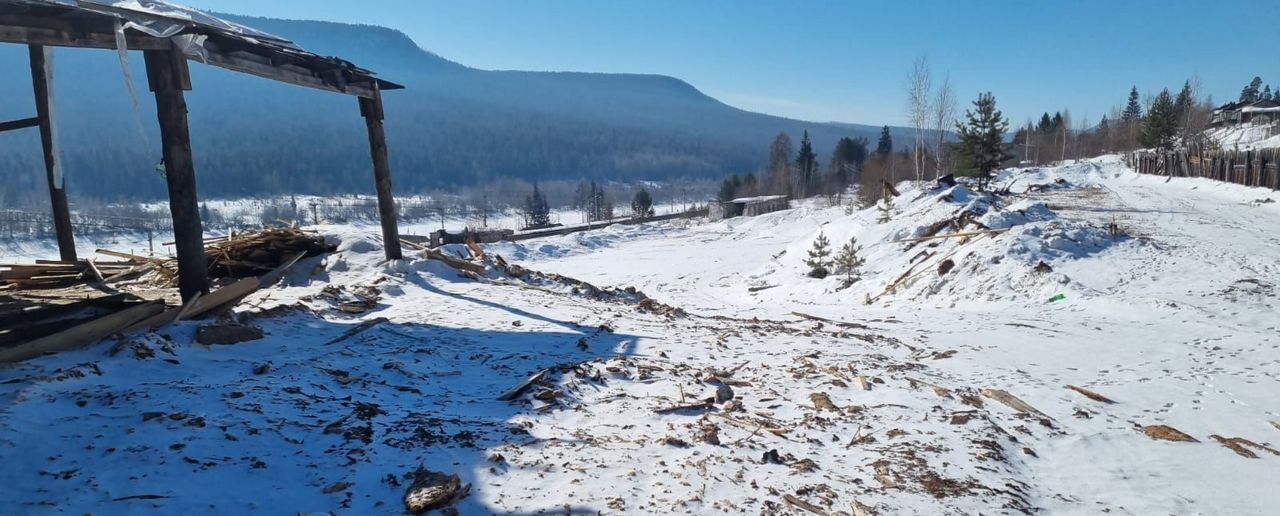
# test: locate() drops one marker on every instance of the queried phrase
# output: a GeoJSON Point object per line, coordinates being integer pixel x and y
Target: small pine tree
{"type": "Point", "coordinates": [848, 261]}
{"type": "Point", "coordinates": [819, 260]}
{"type": "Point", "coordinates": [982, 139]}
{"type": "Point", "coordinates": [885, 213]}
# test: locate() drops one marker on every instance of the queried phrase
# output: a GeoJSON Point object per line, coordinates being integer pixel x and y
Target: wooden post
{"type": "Point", "coordinates": [42, 83]}
{"type": "Point", "coordinates": [168, 77]}
{"type": "Point", "coordinates": [371, 110]}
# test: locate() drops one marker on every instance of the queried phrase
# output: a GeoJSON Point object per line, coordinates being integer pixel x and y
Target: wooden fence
{"type": "Point", "coordinates": [1250, 168]}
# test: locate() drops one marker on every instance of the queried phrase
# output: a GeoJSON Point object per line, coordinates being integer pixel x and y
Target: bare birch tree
{"type": "Point", "coordinates": [944, 118]}
{"type": "Point", "coordinates": [919, 84]}
{"type": "Point", "coordinates": [1065, 131]}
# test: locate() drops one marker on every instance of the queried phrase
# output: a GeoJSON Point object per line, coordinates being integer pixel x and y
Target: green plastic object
{"type": "Point", "coordinates": [1058, 297]}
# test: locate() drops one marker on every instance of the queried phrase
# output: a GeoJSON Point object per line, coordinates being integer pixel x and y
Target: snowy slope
{"type": "Point", "coordinates": [1174, 317]}
{"type": "Point", "coordinates": [1245, 136]}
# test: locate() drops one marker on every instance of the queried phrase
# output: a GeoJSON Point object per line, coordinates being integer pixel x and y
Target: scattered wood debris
{"type": "Point", "coordinates": [822, 401]}
{"type": "Point", "coordinates": [1167, 433]}
{"type": "Point", "coordinates": [801, 504]}
{"type": "Point", "coordinates": [1238, 445]}
{"type": "Point", "coordinates": [516, 391]}
{"type": "Point", "coordinates": [432, 490]}
{"type": "Point", "coordinates": [80, 335]}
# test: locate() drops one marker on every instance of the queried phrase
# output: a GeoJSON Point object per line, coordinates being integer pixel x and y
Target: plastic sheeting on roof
{"type": "Point", "coordinates": [161, 19]}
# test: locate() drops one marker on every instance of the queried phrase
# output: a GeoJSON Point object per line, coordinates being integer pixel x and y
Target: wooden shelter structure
{"type": "Point", "coordinates": [169, 36]}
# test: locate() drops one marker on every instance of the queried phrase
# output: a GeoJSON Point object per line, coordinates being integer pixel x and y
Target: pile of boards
{"type": "Point", "coordinates": [242, 256]}
{"type": "Point", "coordinates": [235, 256]}
{"type": "Point", "coordinates": [55, 274]}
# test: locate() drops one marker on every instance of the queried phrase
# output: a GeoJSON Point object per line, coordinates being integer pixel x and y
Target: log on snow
{"type": "Point", "coordinates": [1013, 402]}
{"type": "Point", "coordinates": [1091, 395]}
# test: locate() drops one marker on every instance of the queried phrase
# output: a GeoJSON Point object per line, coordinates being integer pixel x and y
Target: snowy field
{"type": "Point", "coordinates": [1158, 294]}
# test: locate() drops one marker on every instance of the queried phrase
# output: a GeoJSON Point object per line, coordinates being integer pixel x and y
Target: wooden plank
{"type": "Point", "coordinates": [516, 391]}
{"type": "Point", "coordinates": [80, 336]}
{"type": "Point", "coordinates": [166, 77]}
{"type": "Point", "coordinates": [127, 256]}
{"type": "Point", "coordinates": [1013, 402]}
{"type": "Point", "coordinates": [371, 110]}
{"type": "Point", "coordinates": [200, 305]}
{"type": "Point", "coordinates": [454, 262]}
{"type": "Point", "coordinates": [42, 86]}
{"type": "Point", "coordinates": [14, 125]}
{"type": "Point", "coordinates": [97, 274]}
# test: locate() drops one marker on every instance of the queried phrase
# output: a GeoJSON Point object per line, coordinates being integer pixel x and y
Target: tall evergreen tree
{"type": "Point", "coordinates": [1266, 93]}
{"type": "Point", "coordinates": [537, 211]}
{"type": "Point", "coordinates": [1251, 92]}
{"type": "Point", "coordinates": [847, 160]}
{"type": "Point", "coordinates": [1161, 125]}
{"type": "Point", "coordinates": [884, 147]}
{"type": "Point", "coordinates": [1132, 110]}
{"type": "Point", "coordinates": [1182, 104]}
{"type": "Point", "coordinates": [728, 189]}
{"type": "Point", "coordinates": [1046, 123]}
{"type": "Point", "coordinates": [806, 165]}
{"type": "Point", "coordinates": [642, 204]}
{"type": "Point", "coordinates": [780, 165]}
{"type": "Point", "coordinates": [982, 139]}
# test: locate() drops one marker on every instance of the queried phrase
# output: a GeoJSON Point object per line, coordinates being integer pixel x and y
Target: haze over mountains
{"type": "Point", "coordinates": [453, 125]}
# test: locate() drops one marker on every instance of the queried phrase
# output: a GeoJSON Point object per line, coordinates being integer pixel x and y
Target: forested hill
{"type": "Point", "coordinates": [453, 125]}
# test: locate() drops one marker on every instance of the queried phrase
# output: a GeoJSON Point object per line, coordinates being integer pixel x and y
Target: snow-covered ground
{"type": "Point", "coordinates": [1159, 294]}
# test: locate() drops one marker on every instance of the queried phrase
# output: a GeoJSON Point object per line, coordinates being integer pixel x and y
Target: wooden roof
{"type": "Point", "coordinates": [159, 25]}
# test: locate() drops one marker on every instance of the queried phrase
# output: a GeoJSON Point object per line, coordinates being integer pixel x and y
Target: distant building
{"type": "Point", "coordinates": [749, 206]}
{"type": "Point", "coordinates": [1234, 113]}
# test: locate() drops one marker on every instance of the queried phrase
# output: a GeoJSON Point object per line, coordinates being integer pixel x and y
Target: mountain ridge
{"type": "Point", "coordinates": [453, 125]}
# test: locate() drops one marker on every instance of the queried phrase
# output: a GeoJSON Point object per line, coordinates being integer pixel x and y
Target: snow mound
{"type": "Point", "coordinates": [1008, 250]}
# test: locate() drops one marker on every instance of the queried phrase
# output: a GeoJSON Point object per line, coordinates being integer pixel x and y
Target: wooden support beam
{"type": "Point", "coordinates": [167, 74]}
{"type": "Point", "coordinates": [14, 30]}
{"type": "Point", "coordinates": [371, 110]}
{"type": "Point", "coordinates": [14, 125]}
{"type": "Point", "coordinates": [42, 83]}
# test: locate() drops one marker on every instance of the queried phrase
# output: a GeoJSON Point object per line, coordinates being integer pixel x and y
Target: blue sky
{"type": "Point", "coordinates": [846, 61]}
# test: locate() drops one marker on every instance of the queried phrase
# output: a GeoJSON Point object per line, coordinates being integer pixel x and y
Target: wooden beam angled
{"type": "Point", "coordinates": [19, 124]}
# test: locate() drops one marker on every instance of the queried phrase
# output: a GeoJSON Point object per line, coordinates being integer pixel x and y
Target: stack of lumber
{"type": "Point", "coordinates": [54, 274]}
{"type": "Point", "coordinates": [251, 254]}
